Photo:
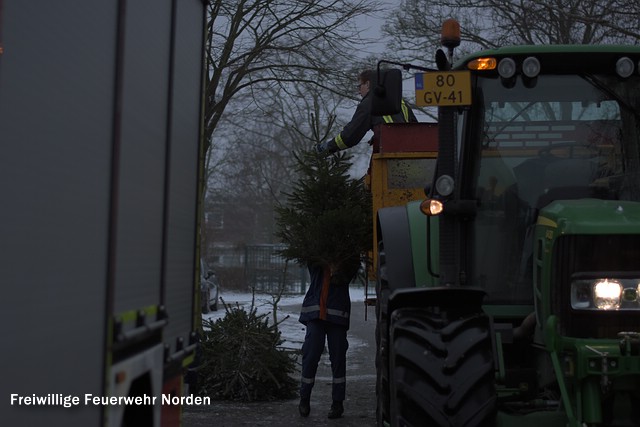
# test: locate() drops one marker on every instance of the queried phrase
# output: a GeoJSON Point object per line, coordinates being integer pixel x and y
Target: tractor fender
{"type": "Point", "coordinates": [467, 300]}
{"type": "Point", "coordinates": [393, 229]}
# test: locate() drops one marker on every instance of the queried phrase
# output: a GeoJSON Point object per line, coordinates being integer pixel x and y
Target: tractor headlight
{"type": "Point", "coordinates": [507, 68]}
{"type": "Point", "coordinates": [605, 293]}
{"type": "Point", "coordinates": [624, 67]}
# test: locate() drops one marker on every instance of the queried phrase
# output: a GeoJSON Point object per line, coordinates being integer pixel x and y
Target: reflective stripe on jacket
{"type": "Point", "coordinates": [325, 300]}
{"type": "Point", "coordinates": [405, 114]}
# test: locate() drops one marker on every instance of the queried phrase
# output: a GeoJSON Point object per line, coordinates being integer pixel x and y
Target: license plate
{"type": "Point", "coordinates": [443, 88]}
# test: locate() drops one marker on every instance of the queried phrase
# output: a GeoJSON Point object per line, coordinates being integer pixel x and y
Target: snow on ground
{"type": "Point", "coordinates": [288, 311]}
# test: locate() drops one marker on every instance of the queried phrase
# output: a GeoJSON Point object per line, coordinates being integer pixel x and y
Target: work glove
{"type": "Point", "coordinates": [326, 148]}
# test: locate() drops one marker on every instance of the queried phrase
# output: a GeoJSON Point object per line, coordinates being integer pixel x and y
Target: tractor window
{"type": "Point", "coordinates": [568, 137]}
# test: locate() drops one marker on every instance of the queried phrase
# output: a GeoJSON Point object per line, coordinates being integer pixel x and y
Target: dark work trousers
{"type": "Point", "coordinates": [336, 336]}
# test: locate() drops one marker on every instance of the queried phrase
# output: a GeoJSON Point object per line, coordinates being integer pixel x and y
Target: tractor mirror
{"type": "Point", "coordinates": [387, 93]}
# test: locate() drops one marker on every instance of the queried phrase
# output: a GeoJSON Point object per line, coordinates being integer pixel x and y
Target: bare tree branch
{"type": "Point", "coordinates": [414, 28]}
{"type": "Point", "coordinates": [254, 42]}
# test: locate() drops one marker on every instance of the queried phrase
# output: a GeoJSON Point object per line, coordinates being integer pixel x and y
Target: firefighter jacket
{"type": "Point", "coordinates": [326, 299]}
{"type": "Point", "coordinates": [362, 122]}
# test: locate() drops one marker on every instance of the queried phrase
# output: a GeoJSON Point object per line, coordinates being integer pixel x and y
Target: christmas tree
{"type": "Point", "coordinates": [327, 217]}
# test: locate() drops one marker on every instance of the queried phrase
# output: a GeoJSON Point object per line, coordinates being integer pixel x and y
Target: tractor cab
{"type": "Point", "coordinates": [530, 126]}
{"type": "Point", "coordinates": [530, 141]}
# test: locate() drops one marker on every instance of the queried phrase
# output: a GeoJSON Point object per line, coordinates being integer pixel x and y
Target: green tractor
{"type": "Point", "coordinates": [521, 307]}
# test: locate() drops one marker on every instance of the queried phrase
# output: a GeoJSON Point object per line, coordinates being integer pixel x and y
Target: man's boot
{"type": "Point", "coordinates": [304, 407]}
{"type": "Point", "coordinates": [336, 409]}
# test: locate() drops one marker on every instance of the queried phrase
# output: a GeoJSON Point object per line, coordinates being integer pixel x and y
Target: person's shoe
{"type": "Point", "coordinates": [304, 407]}
{"type": "Point", "coordinates": [336, 409]}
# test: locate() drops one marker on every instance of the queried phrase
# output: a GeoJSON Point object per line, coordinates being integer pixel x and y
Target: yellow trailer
{"type": "Point", "coordinates": [403, 160]}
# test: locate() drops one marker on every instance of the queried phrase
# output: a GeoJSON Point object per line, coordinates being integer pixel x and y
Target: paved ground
{"type": "Point", "coordinates": [360, 403]}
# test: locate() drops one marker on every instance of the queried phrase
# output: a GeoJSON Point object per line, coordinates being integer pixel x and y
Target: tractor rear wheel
{"type": "Point", "coordinates": [442, 370]}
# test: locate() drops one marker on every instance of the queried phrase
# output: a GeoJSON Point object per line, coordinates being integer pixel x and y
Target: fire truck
{"type": "Point", "coordinates": [100, 135]}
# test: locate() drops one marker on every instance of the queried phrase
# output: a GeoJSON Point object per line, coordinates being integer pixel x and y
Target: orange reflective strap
{"type": "Point", "coordinates": [324, 294]}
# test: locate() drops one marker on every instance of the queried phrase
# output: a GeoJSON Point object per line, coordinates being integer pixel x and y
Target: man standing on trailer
{"type": "Point", "coordinates": [362, 120]}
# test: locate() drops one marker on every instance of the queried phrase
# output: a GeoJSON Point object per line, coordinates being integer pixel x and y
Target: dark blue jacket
{"type": "Point", "coordinates": [363, 121]}
{"type": "Point", "coordinates": [326, 299]}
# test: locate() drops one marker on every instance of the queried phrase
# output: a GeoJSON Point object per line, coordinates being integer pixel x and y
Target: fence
{"type": "Point", "coordinates": [265, 270]}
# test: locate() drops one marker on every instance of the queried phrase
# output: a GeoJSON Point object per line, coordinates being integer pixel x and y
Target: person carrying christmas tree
{"type": "Point", "coordinates": [325, 312]}
{"type": "Point", "coordinates": [362, 120]}
{"type": "Point", "coordinates": [325, 226]}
